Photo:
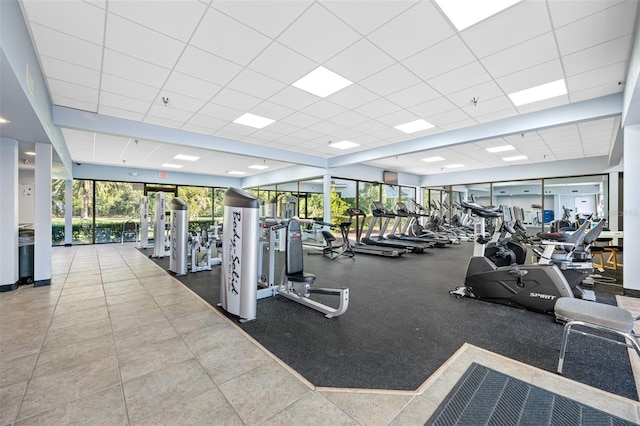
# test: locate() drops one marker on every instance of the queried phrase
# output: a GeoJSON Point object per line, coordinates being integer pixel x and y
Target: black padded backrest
{"type": "Point", "coordinates": [294, 258]}
{"type": "Point", "coordinates": [593, 233]}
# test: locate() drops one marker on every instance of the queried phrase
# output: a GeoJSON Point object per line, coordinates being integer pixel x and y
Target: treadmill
{"type": "Point", "coordinates": [360, 247]}
{"type": "Point", "coordinates": [402, 211]}
{"type": "Point", "coordinates": [384, 215]}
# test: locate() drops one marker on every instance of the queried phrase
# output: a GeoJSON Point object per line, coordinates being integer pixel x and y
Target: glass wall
{"type": "Point", "coordinates": [82, 221]}
{"type": "Point", "coordinates": [57, 212]}
{"type": "Point", "coordinates": [115, 204]}
{"type": "Point", "coordinates": [199, 206]}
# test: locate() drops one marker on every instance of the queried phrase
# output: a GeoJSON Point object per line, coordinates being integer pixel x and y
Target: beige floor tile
{"type": "Point", "coordinates": [142, 294]}
{"type": "Point", "coordinates": [113, 275]}
{"type": "Point", "coordinates": [187, 307]}
{"type": "Point", "coordinates": [75, 294]}
{"type": "Point", "coordinates": [17, 370]}
{"type": "Point", "coordinates": [170, 294]}
{"type": "Point", "coordinates": [441, 386]}
{"type": "Point", "coordinates": [10, 398]}
{"type": "Point", "coordinates": [132, 306]}
{"type": "Point", "coordinates": [417, 412]}
{"type": "Point", "coordinates": [18, 346]}
{"type": "Point", "coordinates": [102, 408]}
{"type": "Point", "coordinates": [496, 362]}
{"type": "Point", "coordinates": [204, 319]}
{"type": "Point", "coordinates": [128, 320]}
{"type": "Point", "coordinates": [122, 287]}
{"type": "Point", "coordinates": [144, 334]}
{"type": "Point", "coordinates": [61, 337]}
{"type": "Point", "coordinates": [142, 272]}
{"type": "Point", "coordinates": [53, 390]}
{"type": "Point", "coordinates": [369, 408]}
{"type": "Point", "coordinates": [263, 392]}
{"type": "Point", "coordinates": [312, 409]}
{"type": "Point", "coordinates": [209, 408]}
{"type": "Point", "coordinates": [143, 359]}
{"type": "Point", "coordinates": [159, 281]}
{"type": "Point", "coordinates": [154, 392]}
{"type": "Point", "coordinates": [79, 280]}
{"type": "Point", "coordinates": [79, 305]}
{"type": "Point", "coordinates": [204, 340]}
{"type": "Point", "coordinates": [228, 362]}
{"type": "Point", "coordinates": [74, 355]}
{"type": "Point", "coordinates": [74, 318]}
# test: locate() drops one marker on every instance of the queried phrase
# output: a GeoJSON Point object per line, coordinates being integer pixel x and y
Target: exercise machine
{"type": "Point", "coordinates": [397, 233]}
{"type": "Point", "coordinates": [329, 250]}
{"type": "Point", "coordinates": [144, 223]}
{"type": "Point", "coordinates": [380, 213]}
{"type": "Point", "coordinates": [161, 237]}
{"type": "Point", "coordinates": [535, 287]}
{"type": "Point", "coordinates": [201, 244]}
{"type": "Point", "coordinates": [360, 247]}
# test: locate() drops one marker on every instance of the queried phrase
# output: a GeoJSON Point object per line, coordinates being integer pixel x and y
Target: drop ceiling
{"type": "Point", "coordinates": [196, 66]}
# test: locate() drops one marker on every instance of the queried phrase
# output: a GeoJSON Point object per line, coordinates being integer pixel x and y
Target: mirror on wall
{"type": "Point", "coordinates": [571, 200]}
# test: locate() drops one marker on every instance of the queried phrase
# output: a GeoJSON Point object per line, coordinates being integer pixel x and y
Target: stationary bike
{"type": "Point", "coordinates": [534, 287]}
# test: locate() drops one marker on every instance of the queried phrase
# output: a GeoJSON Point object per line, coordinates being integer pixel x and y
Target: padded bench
{"type": "Point", "coordinates": [596, 316]}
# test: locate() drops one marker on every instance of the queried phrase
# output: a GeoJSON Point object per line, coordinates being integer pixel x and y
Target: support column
{"type": "Point", "coordinates": [631, 212]}
{"type": "Point", "coordinates": [326, 189]}
{"type": "Point", "coordinates": [9, 272]}
{"type": "Point", "coordinates": [614, 204]}
{"type": "Point", "coordinates": [68, 213]}
{"type": "Point", "coordinates": [42, 219]}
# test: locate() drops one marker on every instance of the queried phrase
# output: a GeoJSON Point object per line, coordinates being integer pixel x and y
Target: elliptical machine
{"type": "Point", "coordinates": [534, 287]}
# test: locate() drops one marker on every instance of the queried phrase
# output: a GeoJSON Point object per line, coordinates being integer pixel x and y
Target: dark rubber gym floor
{"type": "Point", "coordinates": [402, 324]}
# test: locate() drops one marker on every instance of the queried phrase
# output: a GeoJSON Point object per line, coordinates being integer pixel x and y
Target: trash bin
{"type": "Point", "coordinates": [25, 256]}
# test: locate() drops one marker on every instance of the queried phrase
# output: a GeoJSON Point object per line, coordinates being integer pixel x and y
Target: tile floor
{"type": "Point", "coordinates": [116, 340]}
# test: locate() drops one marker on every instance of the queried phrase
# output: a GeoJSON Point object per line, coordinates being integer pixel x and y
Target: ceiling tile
{"type": "Point", "coordinates": [444, 56]}
{"type": "Point", "coordinates": [74, 103]}
{"type": "Point", "coordinates": [73, 91]}
{"type": "Point", "coordinates": [301, 120]}
{"type": "Point", "coordinates": [170, 113]}
{"type": "Point", "coordinates": [466, 76]}
{"type": "Point", "coordinates": [413, 95]}
{"type": "Point", "coordinates": [370, 126]}
{"type": "Point", "coordinates": [565, 12]}
{"type": "Point", "coordinates": [77, 19]}
{"type": "Point", "coordinates": [377, 12]}
{"type": "Point", "coordinates": [595, 92]}
{"type": "Point", "coordinates": [397, 118]}
{"type": "Point", "coordinates": [489, 106]}
{"type": "Point", "coordinates": [390, 80]}
{"type": "Point", "coordinates": [118, 101]}
{"type": "Point", "coordinates": [256, 84]}
{"type": "Point", "coordinates": [611, 74]}
{"type": "Point", "coordinates": [266, 16]}
{"type": "Point", "coordinates": [352, 96]}
{"type": "Point", "coordinates": [120, 113]}
{"type": "Point", "coordinates": [416, 29]}
{"type": "Point", "coordinates": [377, 108]}
{"type": "Point", "coordinates": [191, 86]}
{"type": "Point", "coordinates": [521, 22]}
{"type": "Point", "coordinates": [432, 107]}
{"type": "Point", "coordinates": [61, 70]}
{"type": "Point", "coordinates": [532, 52]}
{"type": "Point", "coordinates": [142, 43]}
{"type": "Point", "coordinates": [194, 128]}
{"type": "Point", "coordinates": [128, 88]}
{"type": "Point", "coordinates": [349, 118]}
{"type": "Point", "coordinates": [236, 100]}
{"type": "Point", "coordinates": [207, 122]}
{"type": "Point", "coordinates": [359, 60]}
{"type": "Point", "coordinates": [215, 31]}
{"type": "Point", "coordinates": [603, 54]}
{"type": "Point", "coordinates": [270, 61]}
{"type": "Point", "coordinates": [66, 48]}
{"type": "Point", "coordinates": [271, 110]}
{"type": "Point", "coordinates": [325, 127]}
{"type": "Point", "coordinates": [604, 26]}
{"type": "Point", "coordinates": [178, 101]}
{"type": "Point", "coordinates": [110, 148]}
{"type": "Point", "coordinates": [204, 65]}
{"type": "Point", "coordinates": [282, 128]}
{"type": "Point", "coordinates": [448, 117]}
{"type": "Point", "coordinates": [318, 34]}
{"type": "Point", "coordinates": [292, 97]}
{"type": "Point", "coordinates": [324, 109]}
{"type": "Point", "coordinates": [483, 92]}
{"type": "Point", "coordinates": [497, 115]}
{"type": "Point", "coordinates": [162, 121]}
{"type": "Point", "coordinates": [130, 68]}
{"type": "Point", "coordinates": [162, 16]}
{"type": "Point", "coordinates": [531, 77]}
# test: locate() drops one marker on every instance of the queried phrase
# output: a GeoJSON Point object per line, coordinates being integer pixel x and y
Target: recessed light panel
{"type": "Point", "coordinates": [172, 166]}
{"type": "Point", "coordinates": [453, 166]}
{"type": "Point", "coordinates": [236, 172]}
{"type": "Point", "coordinates": [414, 126]}
{"type": "Point", "coordinates": [259, 167]}
{"type": "Point", "coordinates": [465, 13]}
{"type": "Point", "coordinates": [515, 158]}
{"type": "Point", "coordinates": [343, 145]}
{"type": "Point", "coordinates": [252, 120]}
{"type": "Point", "coordinates": [501, 148]}
{"type": "Point", "coordinates": [4, 120]}
{"type": "Point", "coordinates": [539, 93]}
{"type": "Point", "coordinates": [432, 159]}
{"type": "Point", "coordinates": [322, 82]}
{"type": "Point", "coordinates": [31, 153]}
{"type": "Point", "coordinates": [186, 157]}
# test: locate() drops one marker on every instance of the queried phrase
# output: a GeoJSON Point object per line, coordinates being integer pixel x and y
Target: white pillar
{"type": "Point", "coordinates": [42, 222]}
{"type": "Point", "coordinates": [326, 189]}
{"type": "Point", "coordinates": [9, 272]}
{"type": "Point", "coordinates": [614, 202]}
{"type": "Point", "coordinates": [68, 212]}
{"type": "Point", "coordinates": [631, 212]}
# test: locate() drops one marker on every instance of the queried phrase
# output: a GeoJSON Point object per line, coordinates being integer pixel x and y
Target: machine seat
{"type": "Point", "coordinates": [302, 277]}
{"type": "Point", "coordinates": [554, 236]}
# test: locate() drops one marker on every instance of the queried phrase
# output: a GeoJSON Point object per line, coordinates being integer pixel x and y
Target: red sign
{"type": "Point", "coordinates": [162, 175]}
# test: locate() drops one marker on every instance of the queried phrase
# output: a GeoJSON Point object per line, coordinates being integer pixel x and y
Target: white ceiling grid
{"type": "Point", "coordinates": [216, 60]}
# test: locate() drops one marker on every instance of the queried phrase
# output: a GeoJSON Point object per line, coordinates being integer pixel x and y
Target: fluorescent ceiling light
{"type": "Point", "coordinates": [432, 159]}
{"type": "Point", "coordinates": [501, 148]}
{"type": "Point", "coordinates": [252, 120]}
{"type": "Point", "coordinates": [539, 93]}
{"type": "Point", "coordinates": [186, 157]}
{"type": "Point", "coordinates": [259, 167]}
{"type": "Point", "coordinates": [31, 153]}
{"type": "Point", "coordinates": [236, 172]}
{"type": "Point", "coordinates": [172, 166]}
{"type": "Point", "coordinates": [453, 166]}
{"type": "Point", "coordinates": [465, 13]}
{"type": "Point", "coordinates": [515, 158]}
{"type": "Point", "coordinates": [343, 145]}
{"type": "Point", "coordinates": [322, 82]}
{"type": "Point", "coordinates": [414, 126]}
{"type": "Point", "coordinates": [4, 120]}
